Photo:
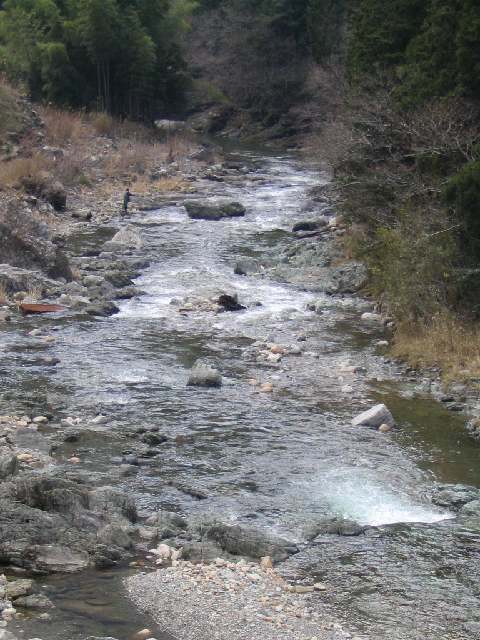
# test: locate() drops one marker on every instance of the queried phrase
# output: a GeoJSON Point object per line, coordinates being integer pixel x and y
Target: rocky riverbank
{"type": "Point", "coordinates": [76, 483]}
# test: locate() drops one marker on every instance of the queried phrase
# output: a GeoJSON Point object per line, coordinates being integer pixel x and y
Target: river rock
{"type": "Point", "coordinates": [167, 519]}
{"type": "Point", "coordinates": [55, 193]}
{"type": "Point", "coordinates": [203, 376]}
{"type": "Point", "coordinates": [347, 278]}
{"type": "Point", "coordinates": [103, 309]}
{"type": "Point", "coordinates": [17, 588]}
{"type": "Point", "coordinates": [229, 302]}
{"type": "Point", "coordinates": [374, 417]}
{"type": "Point", "coordinates": [7, 635]}
{"type": "Point", "coordinates": [214, 210]}
{"type": "Point", "coordinates": [253, 543]}
{"type": "Point", "coordinates": [455, 496]}
{"type": "Point", "coordinates": [471, 509]}
{"type": "Point", "coordinates": [309, 225]}
{"type": "Point", "coordinates": [34, 601]}
{"type": "Point", "coordinates": [334, 526]}
{"type": "Point", "coordinates": [246, 266]}
{"type": "Point", "coordinates": [170, 126]}
{"type": "Point", "coordinates": [53, 525]}
{"type": "Point", "coordinates": [128, 236]}
{"type": "Point", "coordinates": [8, 464]}
{"type": "Point", "coordinates": [26, 276]}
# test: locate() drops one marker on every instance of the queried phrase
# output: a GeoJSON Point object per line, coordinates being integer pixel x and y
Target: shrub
{"type": "Point", "coordinates": [62, 126]}
{"type": "Point", "coordinates": [103, 124]}
{"type": "Point", "coordinates": [462, 193]}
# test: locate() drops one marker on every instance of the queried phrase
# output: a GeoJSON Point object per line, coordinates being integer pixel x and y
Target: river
{"type": "Point", "coordinates": [278, 461]}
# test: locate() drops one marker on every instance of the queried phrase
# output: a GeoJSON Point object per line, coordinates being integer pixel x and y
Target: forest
{"type": "Point", "coordinates": [386, 91]}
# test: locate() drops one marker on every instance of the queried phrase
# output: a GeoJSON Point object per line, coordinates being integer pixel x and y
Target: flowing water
{"type": "Point", "coordinates": [277, 461]}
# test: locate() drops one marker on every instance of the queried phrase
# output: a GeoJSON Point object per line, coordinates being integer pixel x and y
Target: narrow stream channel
{"type": "Point", "coordinates": [277, 461]}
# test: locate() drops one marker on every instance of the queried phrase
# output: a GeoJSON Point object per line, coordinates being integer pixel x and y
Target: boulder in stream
{"type": "Point", "coordinates": [229, 302]}
{"type": "Point", "coordinates": [214, 210]}
{"type": "Point", "coordinates": [128, 236]}
{"type": "Point", "coordinates": [309, 225]}
{"type": "Point", "coordinates": [374, 417]}
{"type": "Point", "coordinates": [52, 525]}
{"type": "Point", "coordinates": [203, 376]}
{"type": "Point", "coordinates": [249, 542]}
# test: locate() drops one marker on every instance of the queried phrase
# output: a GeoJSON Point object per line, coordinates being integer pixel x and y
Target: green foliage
{"type": "Point", "coordinates": [120, 56]}
{"type": "Point", "coordinates": [463, 195]}
{"type": "Point", "coordinates": [411, 269]}
{"type": "Point", "coordinates": [380, 31]}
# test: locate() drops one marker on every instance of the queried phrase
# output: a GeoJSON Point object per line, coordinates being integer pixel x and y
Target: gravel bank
{"type": "Point", "coordinates": [232, 601]}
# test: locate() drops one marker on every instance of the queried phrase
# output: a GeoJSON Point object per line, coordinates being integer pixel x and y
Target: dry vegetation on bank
{"type": "Point", "coordinates": [82, 150]}
{"type": "Point", "coordinates": [446, 343]}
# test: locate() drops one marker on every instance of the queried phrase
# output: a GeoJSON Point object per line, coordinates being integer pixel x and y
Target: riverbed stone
{"type": "Point", "coordinates": [204, 376]}
{"type": "Point", "coordinates": [214, 210]}
{"type": "Point", "coordinates": [309, 225]}
{"type": "Point", "coordinates": [8, 464]}
{"type": "Point", "coordinates": [128, 236]}
{"type": "Point", "coordinates": [249, 542]}
{"type": "Point", "coordinates": [17, 588]}
{"type": "Point", "coordinates": [374, 417]}
{"type": "Point", "coordinates": [34, 601]}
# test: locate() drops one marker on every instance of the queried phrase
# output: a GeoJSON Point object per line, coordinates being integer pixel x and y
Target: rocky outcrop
{"type": "Point", "coordinates": [25, 242]}
{"type": "Point", "coordinates": [46, 187]}
{"type": "Point", "coordinates": [48, 524]}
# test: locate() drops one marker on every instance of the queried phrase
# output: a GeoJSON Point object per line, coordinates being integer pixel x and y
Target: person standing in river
{"type": "Point", "coordinates": [126, 199]}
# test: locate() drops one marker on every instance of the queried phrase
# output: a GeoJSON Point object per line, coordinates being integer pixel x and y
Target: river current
{"type": "Point", "coordinates": [276, 461]}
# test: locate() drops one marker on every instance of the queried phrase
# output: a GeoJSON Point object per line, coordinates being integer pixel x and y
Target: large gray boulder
{"type": "Point", "coordinates": [127, 237]}
{"type": "Point", "coordinates": [249, 542]}
{"type": "Point", "coordinates": [374, 417]}
{"type": "Point", "coordinates": [309, 225]}
{"type": "Point", "coordinates": [54, 193]}
{"type": "Point", "coordinates": [348, 278]}
{"type": "Point", "coordinates": [8, 464]}
{"type": "Point", "coordinates": [55, 525]}
{"type": "Point", "coordinates": [203, 376]}
{"type": "Point", "coordinates": [25, 243]}
{"type": "Point", "coordinates": [214, 210]}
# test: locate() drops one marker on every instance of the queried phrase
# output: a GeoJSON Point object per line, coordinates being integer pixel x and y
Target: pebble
{"type": "Point", "coordinates": [267, 387]}
{"type": "Point", "coordinates": [300, 588]}
{"type": "Point", "coordinates": [144, 634]}
{"type": "Point", "coordinates": [40, 420]}
{"type": "Point", "coordinates": [74, 460]}
{"type": "Point", "coordinates": [384, 428]}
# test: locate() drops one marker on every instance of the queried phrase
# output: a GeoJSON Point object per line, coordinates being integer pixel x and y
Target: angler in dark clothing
{"type": "Point", "coordinates": [126, 199]}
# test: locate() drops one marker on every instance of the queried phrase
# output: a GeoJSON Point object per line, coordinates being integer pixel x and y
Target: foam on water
{"type": "Point", "coordinates": [359, 495]}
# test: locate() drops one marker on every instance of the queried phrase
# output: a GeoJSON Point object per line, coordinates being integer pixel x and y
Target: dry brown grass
{"type": "Point", "coordinates": [134, 157]}
{"type": "Point", "coordinates": [62, 127]}
{"type": "Point", "coordinates": [12, 173]}
{"type": "Point", "coordinates": [103, 124]}
{"type": "Point", "coordinates": [164, 185]}
{"type": "Point", "coordinates": [446, 342]}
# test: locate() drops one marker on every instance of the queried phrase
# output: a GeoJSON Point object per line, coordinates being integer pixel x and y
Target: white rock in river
{"type": "Point", "coordinates": [374, 417]}
{"type": "Point", "coordinates": [203, 376]}
{"type": "Point", "coordinates": [129, 237]}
